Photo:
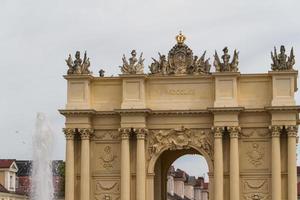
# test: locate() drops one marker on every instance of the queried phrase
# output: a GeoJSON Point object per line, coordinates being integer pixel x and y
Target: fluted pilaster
{"type": "Point", "coordinates": [276, 162]}
{"type": "Point", "coordinates": [70, 173]}
{"type": "Point", "coordinates": [234, 163]}
{"type": "Point", "coordinates": [218, 163]}
{"type": "Point", "coordinates": [85, 135]}
{"type": "Point", "coordinates": [140, 164]}
{"type": "Point", "coordinates": [125, 163]}
{"type": "Point", "coordinates": [292, 161]}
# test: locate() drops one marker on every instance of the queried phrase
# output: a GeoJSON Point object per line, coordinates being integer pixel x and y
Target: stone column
{"type": "Point", "coordinates": [70, 173]}
{"type": "Point", "coordinates": [234, 163]}
{"type": "Point", "coordinates": [292, 162]}
{"type": "Point", "coordinates": [140, 164]}
{"type": "Point", "coordinates": [276, 166]}
{"type": "Point", "coordinates": [125, 164]}
{"type": "Point", "coordinates": [85, 134]}
{"type": "Point", "coordinates": [218, 164]}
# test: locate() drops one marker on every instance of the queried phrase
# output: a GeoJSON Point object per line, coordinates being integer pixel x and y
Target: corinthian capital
{"type": "Point", "coordinates": [125, 133]}
{"type": "Point", "coordinates": [275, 130]}
{"type": "Point", "coordinates": [218, 131]}
{"type": "Point", "coordinates": [69, 133]}
{"type": "Point", "coordinates": [292, 131]}
{"type": "Point", "coordinates": [85, 133]}
{"type": "Point", "coordinates": [234, 131]}
{"type": "Point", "coordinates": [141, 133]}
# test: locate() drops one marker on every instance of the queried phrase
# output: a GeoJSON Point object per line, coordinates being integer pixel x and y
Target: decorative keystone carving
{"type": "Point", "coordinates": [125, 133]}
{"type": "Point", "coordinates": [180, 61]}
{"type": "Point", "coordinates": [85, 133]}
{"type": "Point", "coordinates": [292, 131]}
{"type": "Point", "coordinates": [275, 130]}
{"type": "Point", "coordinates": [78, 66]}
{"type": "Point", "coordinates": [234, 131]}
{"type": "Point", "coordinates": [141, 133]}
{"type": "Point", "coordinates": [281, 62]}
{"type": "Point", "coordinates": [226, 65]}
{"type": "Point", "coordinates": [69, 133]}
{"type": "Point", "coordinates": [134, 66]}
{"type": "Point", "coordinates": [218, 131]}
{"type": "Point", "coordinates": [182, 138]}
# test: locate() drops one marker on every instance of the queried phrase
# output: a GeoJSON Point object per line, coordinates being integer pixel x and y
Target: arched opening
{"type": "Point", "coordinates": [172, 181]}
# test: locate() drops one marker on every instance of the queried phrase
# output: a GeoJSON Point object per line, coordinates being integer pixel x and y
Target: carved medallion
{"type": "Point", "coordinates": [180, 58]}
{"type": "Point", "coordinates": [107, 157]}
{"type": "Point", "coordinates": [256, 154]}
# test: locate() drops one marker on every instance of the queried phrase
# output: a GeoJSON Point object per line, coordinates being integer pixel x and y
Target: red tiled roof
{"type": "Point", "coordinates": [205, 185]}
{"type": "Point", "coordinates": [3, 189]}
{"type": "Point", "coordinates": [6, 163]}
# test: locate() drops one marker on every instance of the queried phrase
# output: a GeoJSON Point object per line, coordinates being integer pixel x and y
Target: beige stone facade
{"type": "Point", "coordinates": [123, 133]}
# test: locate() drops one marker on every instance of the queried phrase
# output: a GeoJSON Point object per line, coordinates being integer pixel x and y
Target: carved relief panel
{"type": "Point", "coordinates": [255, 155]}
{"type": "Point", "coordinates": [105, 152]}
{"type": "Point", "coordinates": [182, 138]}
{"type": "Point", "coordinates": [253, 189]}
{"type": "Point", "coordinates": [106, 189]}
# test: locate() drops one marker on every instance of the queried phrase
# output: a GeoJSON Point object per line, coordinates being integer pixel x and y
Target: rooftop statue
{"type": "Point", "coordinates": [78, 66]}
{"type": "Point", "coordinates": [134, 66]}
{"type": "Point", "coordinates": [180, 61]}
{"type": "Point", "coordinates": [226, 65]}
{"type": "Point", "coordinates": [281, 61]}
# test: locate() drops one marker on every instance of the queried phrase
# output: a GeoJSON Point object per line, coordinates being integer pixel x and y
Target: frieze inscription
{"type": "Point", "coordinates": [179, 91]}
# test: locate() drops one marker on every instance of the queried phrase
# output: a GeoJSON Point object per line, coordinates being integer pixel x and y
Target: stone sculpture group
{"type": "Point", "coordinates": [181, 61]}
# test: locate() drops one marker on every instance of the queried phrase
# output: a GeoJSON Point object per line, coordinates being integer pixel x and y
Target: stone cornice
{"type": "Point", "coordinates": [226, 109]}
{"type": "Point", "coordinates": [145, 111]}
{"type": "Point", "coordinates": [79, 112]}
{"type": "Point", "coordinates": [78, 76]}
{"type": "Point", "coordinates": [226, 73]}
{"type": "Point", "coordinates": [289, 72]}
{"type": "Point", "coordinates": [296, 109]}
{"type": "Point", "coordinates": [179, 112]}
{"type": "Point", "coordinates": [254, 110]}
{"type": "Point", "coordinates": [133, 75]}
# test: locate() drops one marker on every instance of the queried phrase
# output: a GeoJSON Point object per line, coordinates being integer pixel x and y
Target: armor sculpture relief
{"type": "Point", "coordinates": [78, 66]}
{"type": "Point", "coordinates": [281, 61]}
{"type": "Point", "coordinates": [226, 65]}
{"type": "Point", "coordinates": [133, 65]}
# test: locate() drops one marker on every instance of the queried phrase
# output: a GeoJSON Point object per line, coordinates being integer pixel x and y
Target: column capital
{"type": "Point", "coordinates": [85, 133]}
{"type": "Point", "coordinates": [141, 133]}
{"type": "Point", "coordinates": [125, 133]}
{"type": "Point", "coordinates": [234, 131]}
{"type": "Point", "coordinates": [218, 131]}
{"type": "Point", "coordinates": [69, 133]}
{"type": "Point", "coordinates": [292, 131]}
{"type": "Point", "coordinates": [275, 130]}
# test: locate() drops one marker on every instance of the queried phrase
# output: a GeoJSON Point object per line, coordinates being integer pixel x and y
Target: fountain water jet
{"type": "Point", "coordinates": [41, 174]}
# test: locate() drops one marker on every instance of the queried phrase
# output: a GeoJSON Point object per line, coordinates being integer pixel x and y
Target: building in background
{"type": "Point", "coordinates": [24, 182]}
{"type": "Point", "coordinates": [9, 181]}
{"type": "Point", "coordinates": [15, 179]}
{"type": "Point", "coordinates": [181, 186]}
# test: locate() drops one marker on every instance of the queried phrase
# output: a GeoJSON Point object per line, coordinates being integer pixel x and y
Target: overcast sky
{"type": "Point", "coordinates": [37, 35]}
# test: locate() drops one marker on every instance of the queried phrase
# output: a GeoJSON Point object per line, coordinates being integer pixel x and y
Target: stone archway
{"type": "Point", "coordinates": [162, 166]}
{"type": "Point", "coordinates": [165, 146]}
